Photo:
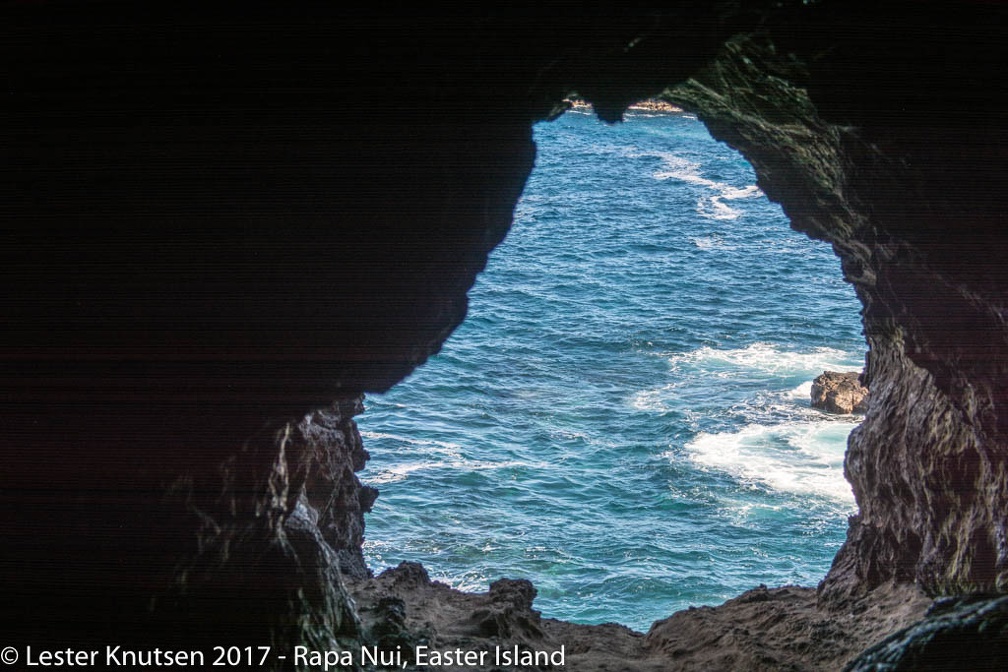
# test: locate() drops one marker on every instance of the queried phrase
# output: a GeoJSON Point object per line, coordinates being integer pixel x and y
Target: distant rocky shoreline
{"type": "Point", "coordinates": [649, 105]}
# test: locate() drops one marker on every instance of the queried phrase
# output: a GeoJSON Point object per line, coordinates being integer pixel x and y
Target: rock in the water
{"type": "Point", "coordinates": [838, 392]}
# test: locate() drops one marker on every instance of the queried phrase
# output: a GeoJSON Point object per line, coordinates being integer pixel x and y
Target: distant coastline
{"type": "Point", "coordinates": [649, 105]}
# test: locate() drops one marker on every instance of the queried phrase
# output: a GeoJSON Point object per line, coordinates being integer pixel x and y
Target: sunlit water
{"type": "Point", "coordinates": [623, 418]}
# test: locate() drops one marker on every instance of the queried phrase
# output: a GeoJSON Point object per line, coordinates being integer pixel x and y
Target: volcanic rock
{"type": "Point", "coordinates": [838, 392]}
{"type": "Point", "coordinates": [964, 633]}
{"type": "Point", "coordinates": [763, 630]}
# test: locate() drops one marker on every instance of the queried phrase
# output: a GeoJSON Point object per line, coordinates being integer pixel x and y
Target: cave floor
{"type": "Point", "coordinates": [762, 629]}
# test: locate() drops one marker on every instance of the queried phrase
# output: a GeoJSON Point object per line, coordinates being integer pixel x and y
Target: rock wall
{"type": "Point", "coordinates": [929, 463]}
{"type": "Point", "coordinates": [251, 559]}
{"type": "Point", "coordinates": [330, 493]}
{"type": "Point", "coordinates": [220, 219]}
{"type": "Point", "coordinates": [957, 633]}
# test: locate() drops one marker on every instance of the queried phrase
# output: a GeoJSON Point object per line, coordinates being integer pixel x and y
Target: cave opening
{"type": "Point", "coordinates": [222, 221]}
{"type": "Point", "coordinates": [623, 418]}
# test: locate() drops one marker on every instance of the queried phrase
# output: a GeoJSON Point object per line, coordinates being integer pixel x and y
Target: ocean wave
{"type": "Point", "coordinates": [712, 242]}
{"type": "Point", "coordinates": [680, 169]}
{"type": "Point", "coordinates": [759, 379]}
{"type": "Point", "coordinates": [654, 399]}
{"type": "Point", "coordinates": [713, 207]}
{"type": "Point", "coordinates": [415, 442]}
{"type": "Point", "coordinates": [804, 458]}
{"type": "Point", "coordinates": [803, 391]}
{"type": "Point", "coordinates": [690, 172]}
{"type": "Point", "coordinates": [467, 582]}
{"type": "Point", "coordinates": [766, 358]}
{"type": "Point", "coordinates": [401, 471]}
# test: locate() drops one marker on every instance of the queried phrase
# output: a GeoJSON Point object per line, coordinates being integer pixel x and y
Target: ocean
{"type": "Point", "coordinates": [623, 418]}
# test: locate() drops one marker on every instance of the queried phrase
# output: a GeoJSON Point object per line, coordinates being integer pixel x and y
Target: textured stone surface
{"type": "Point", "coordinates": [763, 629]}
{"type": "Point", "coordinates": [277, 526]}
{"type": "Point", "coordinates": [969, 633]}
{"type": "Point", "coordinates": [838, 392]}
{"type": "Point", "coordinates": [332, 451]}
{"type": "Point", "coordinates": [929, 464]}
{"type": "Point", "coordinates": [782, 629]}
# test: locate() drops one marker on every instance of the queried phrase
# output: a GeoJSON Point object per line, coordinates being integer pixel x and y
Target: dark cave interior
{"type": "Point", "coordinates": [222, 220]}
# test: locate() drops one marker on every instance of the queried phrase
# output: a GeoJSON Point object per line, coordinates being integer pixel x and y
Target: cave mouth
{"type": "Point", "coordinates": [222, 221]}
{"type": "Point", "coordinates": [623, 417]}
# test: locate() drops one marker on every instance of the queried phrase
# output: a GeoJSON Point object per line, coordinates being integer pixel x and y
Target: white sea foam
{"type": "Point", "coordinates": [431, 445]}
{"type": "Point", "coordinates": [393, 474]}
{"type": "Point", "coordinates": [803, 391]}
{"type": "Point", "coordinates": [797, 457]}
{"type": "Point", "coordinates": [709, 207]}
{"type": "Point", "coordinates": [467, 582]}
{"type": "Point", "coordinates": [653, 400]}
{"type": "Point", "coordinates": [713, 207]}
{"type": "Point", "coordinates": [684, 170]}
{"type": "Point", "coordinates": [767, 358]}
{"type": "Point", "coordinates": [732, 193]}
{"type": "Point", "coordinates": [431, 454]}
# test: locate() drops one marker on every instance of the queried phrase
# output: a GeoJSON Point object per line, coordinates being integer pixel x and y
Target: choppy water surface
{"type": "Point", "coordinates": [623, 418]}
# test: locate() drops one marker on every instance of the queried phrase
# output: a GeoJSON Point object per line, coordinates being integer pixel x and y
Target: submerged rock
{"type": "Point", "coordinates": [837, 392]}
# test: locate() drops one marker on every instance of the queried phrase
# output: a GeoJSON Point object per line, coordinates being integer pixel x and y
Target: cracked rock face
{"type": "Point", "coordinates": [969, 633]}
{"type": "Point", "coordinates": [278, 527]}
{"type": "Point", "coordinates": [929, 464]}
{"type": "Point", "coordinates": [332, 452]}
{"type": "Point", "coordinates": [837, 392]}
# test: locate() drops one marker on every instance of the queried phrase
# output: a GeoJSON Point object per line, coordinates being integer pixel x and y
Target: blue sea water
{"type": "Point", "coordinates": [623, 418]}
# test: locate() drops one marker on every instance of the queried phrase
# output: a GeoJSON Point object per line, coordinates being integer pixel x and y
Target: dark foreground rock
{"type": "Point", "coordinates": [763, 629]}
{"type": "Point", "coordinates": [968, 633]}
{"type": "Point", "coordinates": [326, 478]}
{"type": "Point", "coordinates": [837, 392]}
